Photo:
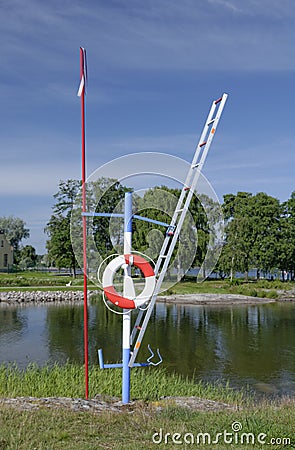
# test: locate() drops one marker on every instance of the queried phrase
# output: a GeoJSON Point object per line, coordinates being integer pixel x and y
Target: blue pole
{"type": "Point", "coordinates": [127, 315]}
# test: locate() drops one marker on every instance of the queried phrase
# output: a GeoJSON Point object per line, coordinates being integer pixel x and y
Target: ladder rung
{"type": "Point", "coordinates": [163, 256]}
{"type": "Point", "coordinates": [218, 100]}
{"type": "Point", "coordinates": [202, 145]}
{"type": "Point", "coordinates": [179, 210]}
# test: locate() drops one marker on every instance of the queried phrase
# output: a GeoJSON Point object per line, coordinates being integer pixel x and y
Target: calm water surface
{"type": "Point", "coordinates": [246, 345]}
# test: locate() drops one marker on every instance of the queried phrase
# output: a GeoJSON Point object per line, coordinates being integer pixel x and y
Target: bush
{"type": "Point", "coordinates": [236, 282]}
{"type": "Point", "coordinates": [272, 294]}
{"type": "Point", "coordinates": [252, 293]}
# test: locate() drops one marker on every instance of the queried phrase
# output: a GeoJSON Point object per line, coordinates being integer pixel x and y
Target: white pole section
{"type": "Point", "coordinates": [128, 292]}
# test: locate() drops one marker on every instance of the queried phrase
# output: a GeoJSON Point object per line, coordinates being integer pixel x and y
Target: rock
{"type": "Point", "coordinates": [209, 299]}
{"type": "Point", "coordinates": [100, 404]}
{"type": "Point", "coordinates": [36, 297]}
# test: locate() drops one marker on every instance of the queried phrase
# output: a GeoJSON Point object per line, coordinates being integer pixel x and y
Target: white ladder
{"type": "Point", "coordinates": [178, 217]}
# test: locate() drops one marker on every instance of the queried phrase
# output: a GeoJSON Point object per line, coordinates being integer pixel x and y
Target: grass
{"type": "Point", "coordinates": [145, 426]}
{"type": "Point", "coordinates": [31, 281]}
{"type": "Point", "coordinates": [263, 288]}
{"type": "Point", "coordinates": [31, 278]}
{"type": "Point", "coordinates": [51, 281]}
{"type": "Point", "coordinates": [68, 381]}
{"type": "Point", "coordinates": [64, 429]}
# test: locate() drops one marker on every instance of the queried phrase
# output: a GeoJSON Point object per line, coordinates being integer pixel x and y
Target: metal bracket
{"type": "Point", "coordinates": [151, 363]}
{"type": "Point", "coordinates": [102, 364]}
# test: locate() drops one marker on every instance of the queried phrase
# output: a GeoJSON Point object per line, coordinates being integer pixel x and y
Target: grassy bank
{"type": "Point", "coordinates": [52, 281]}
{"type": "Point", "coordinates": [68, 381]}
{"type": "Point", "coordinates": [260, 288]}
{"type": "Point", "coordinates": [30, 281]}
{"type": "Point", "coordinates": [64, 429]}
{"type": "Point", "coordinates": [31, 278]}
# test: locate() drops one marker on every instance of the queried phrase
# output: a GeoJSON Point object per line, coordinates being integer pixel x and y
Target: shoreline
{"type": "Point", "coordinates": [213, 299]}
{"type": "Point", "coordinates": [15, 298]}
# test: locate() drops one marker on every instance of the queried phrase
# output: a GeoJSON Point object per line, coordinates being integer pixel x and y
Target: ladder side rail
{"type": "Point", "coordinates": [208, 144]}
{"type": "Point", "coordinates": [159, 283]}
{"type": "Point", "coordinates": [168, 238]}
{"type": "Point", "coordinates": [198, 151]}
{"type": "Point", "coordinates": [154, 297]}
{"type": "Point", "coordinates": [198, 171]}
{"type": "Point", "coordinates": [159, 261]}
{"type": "Point", "coordinates": [203, 158]}
{"type": "Point", "coordinates": [204, 133]}
{"type": "Point", "coordinates": [179, 225]}
{"type": "Point", "coordinates": [182, 217]}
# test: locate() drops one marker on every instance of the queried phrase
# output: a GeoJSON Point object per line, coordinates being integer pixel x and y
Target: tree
{"type": "Point", "coordinates": [102, 195]}
{"type": "Point", "coordinates": [236, 254]}
{"type": "Point", "coordinates": [252, 227]}
{"type": "Point", "coordinates": [266, 216]}
{"type": "Point", "coordinates": [27, 257]}
{"type": "Point", "coordinates": [159, 204]}
{"type": "Point", "coordinates": [106, 195]}
{"type": "Point", "coordinates": [59, 246]}
{"type": "Point", "coordinates": [15, 230]}
{"type": "Point", "coordinates": [286, 239]}
{"type": "Point", "coordinates": [60, 251]}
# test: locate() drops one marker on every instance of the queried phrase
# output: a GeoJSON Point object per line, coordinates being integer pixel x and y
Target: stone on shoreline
{"type": "Point", "coordinates": [21, 297]}
{"type": "Point", "coordinates": [212, 299]}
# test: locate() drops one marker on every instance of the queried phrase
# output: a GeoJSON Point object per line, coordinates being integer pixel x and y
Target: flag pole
{"type": "Point", "coordinates": [81, 93]}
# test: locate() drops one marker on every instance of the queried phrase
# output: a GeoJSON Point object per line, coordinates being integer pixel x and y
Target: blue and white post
{"type": "Point", "coordinates": [129, 293]}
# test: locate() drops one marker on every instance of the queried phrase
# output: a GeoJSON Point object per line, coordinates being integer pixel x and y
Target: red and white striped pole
{"type": "Point", "coordinates": [81, 93]}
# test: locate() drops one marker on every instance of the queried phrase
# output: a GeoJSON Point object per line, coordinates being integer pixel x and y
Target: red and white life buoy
{"type": "Point", "coordinates": [108, 278]}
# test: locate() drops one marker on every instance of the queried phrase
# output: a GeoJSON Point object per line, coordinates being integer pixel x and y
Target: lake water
{"type": "Point", "coordinates": [245, 345]}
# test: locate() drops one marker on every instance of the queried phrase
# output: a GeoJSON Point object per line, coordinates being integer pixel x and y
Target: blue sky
{"type": "Point", "coordinates": [154, 67]}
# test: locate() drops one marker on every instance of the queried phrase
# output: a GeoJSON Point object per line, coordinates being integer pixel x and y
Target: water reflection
{"type": "Point", "coordinates": [243, 344]}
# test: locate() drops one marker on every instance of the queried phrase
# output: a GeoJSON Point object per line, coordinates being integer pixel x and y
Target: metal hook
{"type": "Point", "coordinates": [152, 355]}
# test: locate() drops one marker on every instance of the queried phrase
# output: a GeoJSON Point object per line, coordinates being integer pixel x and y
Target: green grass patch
{"type": "Point", "coordinates": [68, 381]}
{"type": "Point", "coordinates": [261, 288]}
{"type": "Point", "coordinates": [46, 428]}
{"type": "Point", "coordinates": [31, 281]}
{"type": "Point", "coordinates": [51, 281]}
{"type": "Point", "coordinates": [64, 429]}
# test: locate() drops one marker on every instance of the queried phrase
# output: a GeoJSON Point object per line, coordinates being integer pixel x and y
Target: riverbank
{"type": "Point", "coordinates": [21, 297]}
{"type": "Point", "coordinates": [39, 297]}
{"type": "Point", "coordinates": [81, 424]}
{"type": "Point", "coordinates": [145, 425]}
{"type": "Point", "coordinates": [75, 296]}
{"type": "Point", "coordinates": [45, 408]}
{"type": "Point", "coordinates": [61, 283]}
{"type": "Point", "coordinates": [213, 299]}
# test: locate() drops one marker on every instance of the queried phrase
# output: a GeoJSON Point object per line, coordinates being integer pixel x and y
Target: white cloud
{"type": "Point", "coordinates": [154, 35]}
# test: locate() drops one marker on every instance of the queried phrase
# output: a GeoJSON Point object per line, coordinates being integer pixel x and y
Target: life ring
{"type": "Point", "coordinates": [108, 278]}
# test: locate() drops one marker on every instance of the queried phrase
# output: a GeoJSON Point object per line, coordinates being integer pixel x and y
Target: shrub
{"type": "Point", "coordinates": [272, 294]}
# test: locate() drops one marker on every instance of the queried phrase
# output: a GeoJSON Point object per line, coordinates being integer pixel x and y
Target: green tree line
{"type": "Point", "coordinates": [259, 233]}
{"type": "Point", "coordinates": [15, 231]}
{"type": "Point", "coordinates": [259, 229]}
